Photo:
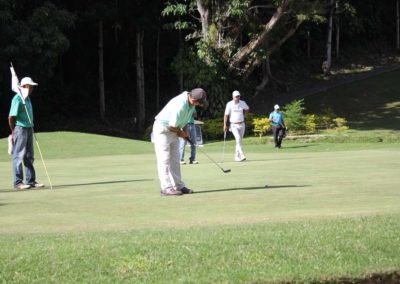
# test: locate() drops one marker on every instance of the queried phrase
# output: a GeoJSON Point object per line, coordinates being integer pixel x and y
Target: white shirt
{"type": "Point", "coordinates": [236, 111]}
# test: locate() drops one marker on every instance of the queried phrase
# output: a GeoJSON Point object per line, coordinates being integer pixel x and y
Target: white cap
{"type": "Point", "coordinates": [235, 94]}
{"type": "Point", "coordinates": [28, 81]}
{"type": "Point", "coordinates": [276, 107]}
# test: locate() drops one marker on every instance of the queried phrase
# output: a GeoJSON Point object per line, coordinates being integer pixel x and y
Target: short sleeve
{"type": "Point", "coordinates": [14, 106]}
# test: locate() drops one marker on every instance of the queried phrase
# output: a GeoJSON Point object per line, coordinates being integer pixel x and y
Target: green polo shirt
{"type": "Point", "coordinates": [18, 110]}
{"type": "Point", "coordinates": [177, 112]}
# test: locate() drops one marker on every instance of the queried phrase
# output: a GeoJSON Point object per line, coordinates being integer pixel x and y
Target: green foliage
{"type": "Point", "coordinates": [294, 116]}
{"type": "Point", "coordinates": [177, 9]}
{"type": "Point", "coordinates": [341, 124]}
{"type": "Point", "coordinates": [261, 126]}
{"type": "Point", "coordinates": [311, 125]}
{"type": "Point", "coordinates": [35, 42]}
{"type": "Point", "coordinates": [213, 129]}
{"type": "Point", "coordinates": [203, 69]}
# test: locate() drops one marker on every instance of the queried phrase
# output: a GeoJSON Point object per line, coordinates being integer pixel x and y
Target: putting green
{"type": "Point", "coordinates": [119, 190]}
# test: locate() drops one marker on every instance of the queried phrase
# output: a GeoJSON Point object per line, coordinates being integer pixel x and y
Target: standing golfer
{"type": "Point", "coordinates": [20, 120]}
{"type": "Point", "coordinates": [278, 126]}
{"type": "Point", "coordinates": [235, 111]}
{"type": "Point", "coordinates": [191, 129]}
{"type": "Point", "coordinates": [167, 129]}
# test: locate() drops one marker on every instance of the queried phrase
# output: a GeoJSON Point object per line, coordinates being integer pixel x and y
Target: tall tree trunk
{"type": "Point", "coordinates": [254, 44]}
{"type": "Point", "coordinates": [204, 17]}
{"type": "Point", "coordinates": [157, 99]}
{"type": "Point", "coordinates": [101, 73]}
{"type": "Point", "coordinates": [181, 58]}
{"type": "Point", "coordinates": [141, 108]}
{"type": "Point", "coordinates": [398, 24]}
{"type": "Point", "coordinates": [328, 64]}
{"type": "Point", "coordinates": [308, 44]}
{"type": "Point", "coordinates": [337, 30]}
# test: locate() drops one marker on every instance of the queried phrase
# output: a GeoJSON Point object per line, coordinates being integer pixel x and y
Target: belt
{"type": "Point", "coordinates": [237, 122]}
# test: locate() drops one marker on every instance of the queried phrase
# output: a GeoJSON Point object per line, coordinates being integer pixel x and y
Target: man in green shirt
{"type": "Point", "coordinates": [20, 120]}
{"type": "Point", "coordinates": [167, 129]}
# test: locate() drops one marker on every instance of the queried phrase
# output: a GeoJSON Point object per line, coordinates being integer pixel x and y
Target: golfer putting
{"type": "Point", "coordinates": [167, 129]}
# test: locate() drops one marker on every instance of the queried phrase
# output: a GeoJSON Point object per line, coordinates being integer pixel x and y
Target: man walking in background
{"type": "Point", "coordinates": [235, 111]}
{"type": "Point", "coordinates": [278, 126]}
{"type": "Point", "coordinates": [167, 128]}
{"type": "Point", "coordinates": [191, 129]}
{"type": "Point", "coordinates": [20, 120]}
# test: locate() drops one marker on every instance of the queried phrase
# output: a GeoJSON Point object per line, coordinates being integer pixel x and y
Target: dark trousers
{"type": "Point", "coordinates": [278, 132]}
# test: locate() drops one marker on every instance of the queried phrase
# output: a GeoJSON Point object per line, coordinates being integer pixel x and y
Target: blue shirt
{"type": "Point", "coordinates": [177, 112]}
{"type": "Point", "coordinates": [18, 110]}
{"type": "Point", "coordinates": [276, 117]}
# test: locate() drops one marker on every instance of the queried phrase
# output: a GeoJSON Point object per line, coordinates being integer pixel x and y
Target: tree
{"type": "Point", "coordinates": [244, 33]}
{"type": "Point", "coordinates": [328, 63]}
{"type": "Point", "coordinates": [397, 25]}
{"type": "Point", "coordinates": [141, 106]}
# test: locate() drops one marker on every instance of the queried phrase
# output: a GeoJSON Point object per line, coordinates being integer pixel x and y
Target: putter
{"type": "Point", "coordinates": [34, 134]}
{"type": "Point", "coordinates": [214, 162]}
{"type": "Point", "coordinates": [223, 148]}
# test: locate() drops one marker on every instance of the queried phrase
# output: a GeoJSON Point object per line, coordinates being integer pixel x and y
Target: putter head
{"type": "Point", "coordinates": [227, 171]}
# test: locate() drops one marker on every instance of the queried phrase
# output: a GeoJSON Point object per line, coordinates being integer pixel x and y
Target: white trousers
{"type": "Point", "coordinates": [238, 132]}
{"type": "Point", "coordinates": [166, 145]}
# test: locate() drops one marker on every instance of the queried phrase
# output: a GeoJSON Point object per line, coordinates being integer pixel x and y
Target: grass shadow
{"type": "Point", "coordinates": [100, 183]}
{"type": "Point", "coordinates": [299, 146]}
{"type": "Point", "coordinates": [252, 188]}
{"type": "Point", "coordinates": [74, 184]}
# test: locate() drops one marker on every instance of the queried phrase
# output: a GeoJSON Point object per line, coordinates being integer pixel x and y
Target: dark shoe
{"type": "Point", "coordinates": [186, 190]}
{"type": "Point", "coordinates": [22, 186]}
{"type": "Point", "coordinates": [170, 193]}
{"type": "Point", "coordinates": [193, 162]}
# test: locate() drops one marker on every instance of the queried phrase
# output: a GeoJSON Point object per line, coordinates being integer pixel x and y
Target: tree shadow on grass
{"type": "Point", "coordinates": [75, 184]}
{"type": "Point", "coordinates": [274, 159]}
{"type": "Point", "coordinates": [100, 183]}
{"type": "Point", "coordinates": [299, 146]}
{"type": "Point", "coordinates": [252, 188]}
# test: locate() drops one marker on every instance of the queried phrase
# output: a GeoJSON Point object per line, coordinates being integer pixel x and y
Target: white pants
{"type": "Point", "coordinates": [238, 132]}
{"type": "Point", "coordinates": [166, 145]}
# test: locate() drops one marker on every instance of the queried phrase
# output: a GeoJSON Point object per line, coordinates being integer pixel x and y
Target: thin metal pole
{"type": "Point", "coordinates": [37, 144]}
{"type": "Point", "coordinates": [34, 134]}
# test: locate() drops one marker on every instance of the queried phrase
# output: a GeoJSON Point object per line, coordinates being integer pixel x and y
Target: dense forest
{"type": "Point", "coordinates": [110, 65]}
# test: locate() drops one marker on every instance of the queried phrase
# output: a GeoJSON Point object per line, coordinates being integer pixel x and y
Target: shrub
{"type": "Point", "coordinates": [325, 120]}
{"type": "Point", "coordinates": [311, 124]}
{"type": "Point", "coordinates": [213, 128]}
{"type": "Point", "coordinates": [294, 116]}
{"type": "Point", "coordinates": [261, 126]}
{"type": "Point", "coordinates": [341, 124]}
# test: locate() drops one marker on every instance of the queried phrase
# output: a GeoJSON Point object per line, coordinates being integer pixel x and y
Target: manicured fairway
{"type": "Point", "coordinates": [105, 220]}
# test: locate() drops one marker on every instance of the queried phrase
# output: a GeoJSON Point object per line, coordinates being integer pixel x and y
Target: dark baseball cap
{"type": "Point", "coordinates": [200, 96]}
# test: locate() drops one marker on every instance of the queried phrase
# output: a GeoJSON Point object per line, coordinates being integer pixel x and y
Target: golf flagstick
{"type": "Point", "coordinates": [212, 160]}
{"type": "Point", "coordinates": [33, 132]}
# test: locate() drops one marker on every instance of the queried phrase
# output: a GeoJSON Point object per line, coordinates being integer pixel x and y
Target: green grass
{"type": "Point", "coordinates": [330, 211]}
{"type": "Point", "coordinates": [368, 105]}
